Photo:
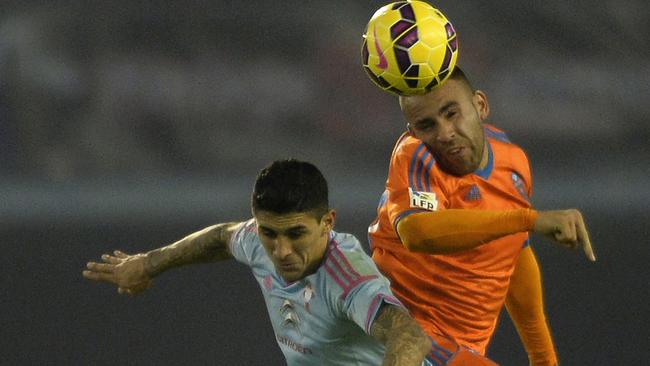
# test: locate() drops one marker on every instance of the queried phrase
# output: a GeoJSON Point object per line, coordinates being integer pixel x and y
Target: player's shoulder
{"type": "Point", "coordinates": [496, 134]}
{"type": "Point", "coordinates": [245, 244]}
{"type": "Point", "coordinates": [346, 264]}
{"type": "Point", "coordinates": [245, 230]}
{"type": "Point", "coordinates": [346, 247]}
{"type": "Point", "coordinates": [500, 141]}
{"type": "Point", "coordinates": [406, 143]}
{"type": "Point", "coordinates": [406, 148]}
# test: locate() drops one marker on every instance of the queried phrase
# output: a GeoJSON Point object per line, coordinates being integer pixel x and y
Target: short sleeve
{"type": "Point", "coordinates": [242, 242]}
{"type": "Point", "coordinates": [363, 302]}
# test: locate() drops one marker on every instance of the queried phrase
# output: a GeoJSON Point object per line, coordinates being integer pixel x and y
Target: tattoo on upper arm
{"type": "Point", "coordinates": [406, 343]}
{"type": "Point", "coordinates": [209, 244]}
{"type": "Point", "coordinates": [215, 245]}
{"type": "Point", "coordinates": [390, 317]}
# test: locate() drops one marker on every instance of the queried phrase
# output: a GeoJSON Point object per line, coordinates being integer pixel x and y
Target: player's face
{"type": "Point", "coordinates": [448, 120]}
{"type": "Point", "coordinates": [295, 242]}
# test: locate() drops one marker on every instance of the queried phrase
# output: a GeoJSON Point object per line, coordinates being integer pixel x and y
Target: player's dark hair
{"type": "Point", "coordinates": [459, 75]}
{"type": "Point", "coordinates": [291, 186]}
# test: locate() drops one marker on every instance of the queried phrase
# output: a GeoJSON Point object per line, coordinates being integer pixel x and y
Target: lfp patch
{"type": "Point", "coordinates": [423, 200]}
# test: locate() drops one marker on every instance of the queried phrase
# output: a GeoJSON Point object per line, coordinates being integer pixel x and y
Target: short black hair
{"type": "Point", "coordinates": [291, 186]}
{"type": "Point", "coordinates": [458, 74]}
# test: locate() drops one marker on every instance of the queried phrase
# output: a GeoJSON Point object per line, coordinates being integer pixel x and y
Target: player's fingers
{"type": "Point", "coordinates": [566, 235]}
{"type": "Point", "coordinates": [120, 254]}
{"type": "Point", "coordinates": [583, 235]}
{"type": "Point", "coordinates": [570, 235]}
{"type": "Point", "coordinates": [98, 276]}
{"type": "Point", "coordinates": [110, 259]}
{"type": "Point", "coordinates": [559, 234]}
{"type": "Point", "coordinates": [100, 267]}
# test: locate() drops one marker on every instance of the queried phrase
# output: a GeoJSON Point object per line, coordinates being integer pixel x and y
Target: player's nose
{"type": "Point", "coordinates": [282, 248]}
{"type": "Point", "coordinates": [446, 131]}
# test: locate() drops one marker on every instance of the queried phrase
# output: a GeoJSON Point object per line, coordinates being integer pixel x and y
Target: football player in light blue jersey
{"type": "Point", "coordinates": [327, 302]}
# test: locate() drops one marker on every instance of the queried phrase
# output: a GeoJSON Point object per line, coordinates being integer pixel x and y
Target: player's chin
{"type": "Point", "coordinates": [290, 274]}
{"type": "Point", "coordinates": [458, 167]}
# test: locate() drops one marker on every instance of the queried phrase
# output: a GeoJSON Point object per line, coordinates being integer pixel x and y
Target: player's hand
{"type": "Point", "coordinates": [125, 271]}
{"type": "Point", "coordinates": [566, 227]}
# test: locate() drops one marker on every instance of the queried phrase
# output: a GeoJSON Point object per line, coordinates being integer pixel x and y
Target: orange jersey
{"type": "Point", "coordinates": [456, 295]}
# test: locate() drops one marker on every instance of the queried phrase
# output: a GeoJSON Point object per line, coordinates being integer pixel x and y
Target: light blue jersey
{"type": "Point", "coordinates": [324, 318]}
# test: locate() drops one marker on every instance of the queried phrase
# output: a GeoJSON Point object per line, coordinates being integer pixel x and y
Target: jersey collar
{"type": "Point", "coordinates": [487, 170]}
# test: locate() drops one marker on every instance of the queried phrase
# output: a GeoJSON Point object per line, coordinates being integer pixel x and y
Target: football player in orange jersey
{"type": "Point", "coordinates": [453, 223]}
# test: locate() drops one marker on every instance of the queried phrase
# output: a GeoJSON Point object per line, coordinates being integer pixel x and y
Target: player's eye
{"type": "Point", "coordinates": [293, 235]}
{"type": "Point", "coordinates": [425, 125]}
{"type": "Point", "coordinates": [269, 233]}
{"type": "Point", "coordinates": [450, 114]}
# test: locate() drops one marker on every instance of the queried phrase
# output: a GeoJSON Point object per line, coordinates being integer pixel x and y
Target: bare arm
{"type": "Point", "coordinates": [207, 245]}
{"type": "Point", "coordinates": [526, 308]}
{"type": "Point", "coordinates": [405, 342]}
{"type": "Point", "coordinates": [133, 273]}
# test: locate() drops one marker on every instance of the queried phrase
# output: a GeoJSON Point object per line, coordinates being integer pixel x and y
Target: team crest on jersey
{"type": "Point", "coordinates": [290, 318]}
{"type": "Point", "coordinates": [520, 186]}
{"type": "Point", "coordinates": [307, 295]}
{"type": "Point", "coordinates": [423, 200]}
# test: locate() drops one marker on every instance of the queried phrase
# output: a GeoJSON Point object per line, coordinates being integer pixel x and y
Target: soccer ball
{"type": "Point", "coordinates": [409, 47]}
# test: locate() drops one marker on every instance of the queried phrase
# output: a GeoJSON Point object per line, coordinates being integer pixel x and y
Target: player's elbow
{"type": "Point", "coordinates": [415, 240]}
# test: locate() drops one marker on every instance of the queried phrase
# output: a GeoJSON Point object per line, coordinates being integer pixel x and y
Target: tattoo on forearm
{"type": "Point", "coordinates": [209, 244]}
{"type": "Point", "coordinates": [405, 342]}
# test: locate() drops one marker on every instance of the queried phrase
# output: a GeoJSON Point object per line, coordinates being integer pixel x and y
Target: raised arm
{"type": "Point", "coordinates": [133, 273]}
{"type": "Point", "coordinates": [405, 342]}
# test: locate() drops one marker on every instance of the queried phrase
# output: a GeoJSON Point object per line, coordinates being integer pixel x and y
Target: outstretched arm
{"type": "Point", "coordinates": [207, 245]}
{"type": "Point", "coordinates": [133, 273]}
{"type": "Point", "coordinates": [405, 342]}
{"type": "Point", "coordinates": [526, 308]}
{"type": "Point", "coordinates": [455, 230]}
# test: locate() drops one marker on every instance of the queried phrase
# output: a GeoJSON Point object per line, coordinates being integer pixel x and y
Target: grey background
{"type": "Point", "coordinates": [129, 124]}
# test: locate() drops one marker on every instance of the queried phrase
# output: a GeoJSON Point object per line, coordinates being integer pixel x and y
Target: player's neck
{"type": "Point", "coordinates": [485, 155]}
{"type": "Point", "coordinates": [320, 257]}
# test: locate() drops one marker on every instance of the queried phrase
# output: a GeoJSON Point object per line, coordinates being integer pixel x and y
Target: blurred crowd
{"type": "Point", "coordinates": [125, 88]}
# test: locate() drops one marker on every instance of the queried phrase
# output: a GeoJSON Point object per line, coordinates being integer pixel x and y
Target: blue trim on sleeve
{"type": "Point", "coordinates": [402, 215]}
{"type": "Point", "coordinates": [526, 244]}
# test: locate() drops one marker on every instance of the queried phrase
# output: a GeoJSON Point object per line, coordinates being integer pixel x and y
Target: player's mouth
{"type": "Point", "coordinates": [456, 151]}
{"type": "Point", "coordinates": [288, 267]}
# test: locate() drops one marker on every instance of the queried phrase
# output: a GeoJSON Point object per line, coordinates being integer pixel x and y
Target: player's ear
{"type": "Point", "coordinates": [328, 220]}
{"type": "Point", "coordinates": [481, 104]}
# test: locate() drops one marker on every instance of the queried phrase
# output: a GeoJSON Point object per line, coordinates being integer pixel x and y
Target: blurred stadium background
{"type": "Point", "coordinates": [128, 124]}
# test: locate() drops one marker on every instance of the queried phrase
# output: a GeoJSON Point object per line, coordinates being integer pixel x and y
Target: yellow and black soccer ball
{"type": "Point", "coordinates": [409, 47]}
